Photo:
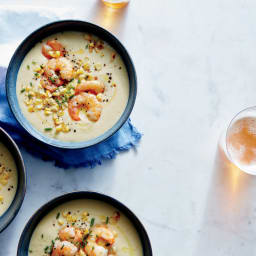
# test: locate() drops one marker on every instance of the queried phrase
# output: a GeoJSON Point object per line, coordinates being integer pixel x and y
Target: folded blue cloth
{"type": "Point", "coordinates": [125, 138]}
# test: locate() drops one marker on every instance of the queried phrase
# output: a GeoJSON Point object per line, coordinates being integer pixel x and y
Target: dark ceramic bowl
{"type": "Point", "coordinates": [45, 31]}
{"type": "Point", "coordinates": [23, 246]}
{"type": "Point", "coordinates": [12, 211]}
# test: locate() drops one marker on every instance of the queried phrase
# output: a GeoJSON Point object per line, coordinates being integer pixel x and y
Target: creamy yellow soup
{"type": "Point", "coordinates": [8, 178]}
{"type": "Point", "coordinates": [92, 60]}
{"type": "Point", "coordinates": [85, 214]}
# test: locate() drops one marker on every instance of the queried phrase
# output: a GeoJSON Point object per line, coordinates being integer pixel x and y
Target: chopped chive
{"type": "Point", "coordinates": [78, 81]}
{"type": "Point", "coordinates": [46, 249]}
{"type": "Point", "coordinates": [30, 251]}
{"type": "Point", "coordinates": [23, 90]}
{"type": "Point", "coordinates": [86, 47]}
{"type": "Point", "coordinates": [52, 80]}
{"type": "Point", "coordinates": [28, 67]}
{"type": "Point", "coordinates": [42, 236]}
{"type": "Point", "coordinates": [107, 220]}
{"type": "Point", "coordinates": [92, 222]}
{"type": "Point", "coordinates": [36, 74]}
{"type": "Point", "coordinates": [70, 97]}
{"type": "Point", "coordinates": [62, 247]}
{"type": "Point", "coordinates": [58, 102]}
{"type": "Point", "coordinates": [31, 84]}
{"type": "Point", "coordinates": [33, 62]}
{"type": "Point", "coordinates": [47, 130]}
{"type": "Point", "coordinates": [58, 214]}
{"type": "Point", "coordinates": [73, 223]}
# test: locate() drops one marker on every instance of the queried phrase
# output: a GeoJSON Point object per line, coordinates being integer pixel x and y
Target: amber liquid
{"type": "Point", "coordinates": [116, 4]}
{"type": "Point", "coordinates": [241, 143]}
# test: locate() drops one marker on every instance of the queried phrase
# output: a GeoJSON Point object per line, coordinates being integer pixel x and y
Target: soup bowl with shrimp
{"type": "Point", "coordinates": [12, 179]}
{"type": "Point", "coordinates": [84, 224]}
{"type": "Point", "coordinates": [71, 84]}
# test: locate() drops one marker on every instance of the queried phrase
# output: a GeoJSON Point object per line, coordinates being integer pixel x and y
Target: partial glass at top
{"type": "Point", "coordinates": [116, 3]}
{"type": "Point", "coordinates": [241, 140]}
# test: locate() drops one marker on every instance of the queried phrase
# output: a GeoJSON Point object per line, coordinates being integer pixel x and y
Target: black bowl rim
{"type": "Point", "coordinates": [24, 185]}
{"type": "Point", "coordinates": [48, 204]}
{"type": "Point", "coordinates": [116, 127]}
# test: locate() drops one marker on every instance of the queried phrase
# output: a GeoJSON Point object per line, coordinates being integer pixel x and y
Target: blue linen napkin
{"type": "Point", "coordinates": [124, 139]}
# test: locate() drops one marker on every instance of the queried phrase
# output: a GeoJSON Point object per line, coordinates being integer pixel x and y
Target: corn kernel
{"type": "Point", "coordinates": [3, 182]}
{"type": "Point", "coordinates": [57, 120]}
{"type": "Point", "coordinates": [51, 53]}
{"type": "Point", "coordinates": [105, 77]}
{"type": "Point", "coordinates": [60, 113]}
{"type": "Point", "coordinates": [31, 108]}
{"type": "Point", "coordinates": [39, 107]}
{"type": "Point", "coordinates": [47, 111]}
{"type": "Point", "coordinates": [71, 218]}
{"type": "Point", "coordinates": [99, 97]}
{"type": "Point", "coordinates": [63, 90]}
{"type": "Point", "coordinates": [37, 69]}
{"type": "Point", "coordinates": [60, 222]}
{"type": "Point", "coordinates": [31, 94]}
{"type": "Point", "coordinates": [28, 102]}
{"type": "Point", "coordinates": [57, 54]}
{"type": "Point", "coordinates": [54, 109]}
{"type": "Point", "coordinates": [86, 67]}
{"type": "Point", "coordinates": [42, 94]}
{"type": "Point", "coordinates": [97, 67]}
{"type": "Point", "coordinates": [56, 93]}
{"type": "Point", "coordinates": [79, 72]}
{"type": "Point", "coordinates": [82, 253]}
{"type": "Point", "coordinates": [1, 198]}
{"type": "Point", "coordinates": [48, 94]}
{"type": "Point", "coordinates": [58, 128]}
{"type": "Point", "coordinates": [64, 214]}
{"type": "Point", "coordinates": [81, 77]}
{"type": "Point", "coordinates": [65, 128]}
{"type": "Point", "coordinates": [38, 101]}
{"type": "Point", "coordinates": [27, 89]}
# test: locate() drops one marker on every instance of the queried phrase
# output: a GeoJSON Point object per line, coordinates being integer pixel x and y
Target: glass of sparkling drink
{"type": "Point", "coordinates": [241, 140]}
{"type": "Point", "coordinates": [116, 4]}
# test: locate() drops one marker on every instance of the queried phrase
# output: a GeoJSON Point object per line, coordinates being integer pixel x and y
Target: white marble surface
{"type": "Point", "coordinates": [196, 63]}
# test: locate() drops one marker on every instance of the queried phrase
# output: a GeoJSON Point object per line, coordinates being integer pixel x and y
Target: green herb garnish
{"type": "Point", "coordinates": [52, 80]}
{"type": "Point", "coordinates": [58, 214]}
{"type": "Point", "coordinates": [92, 222]}
{"type": "Point", "coordinates": [86, 47]}
{"type": "Point", "coordinates": [46, 249]}
{"type": "Point", "coordinates": [58, 102]}
{"type": "Point", "coordinates": [107, 220]}
{"type": "Point", "coordinates": [28, 67]}
{"type": "Point", "coordinates": [23, 90]}
{"type": "Point", "coordinates": [47, 130]}
{"type": "Point", "coordinates": [31, 84]}
{"type": "Point", "coordinates": [33, 62]}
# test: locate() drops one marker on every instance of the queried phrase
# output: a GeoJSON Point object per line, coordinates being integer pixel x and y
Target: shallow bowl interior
{"type": "Point", "coordinates": [53, 28]}
{"type": "Point", "coordinates": [12, 211]}
{"type": "Point", "coordinates": [23, 246]}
